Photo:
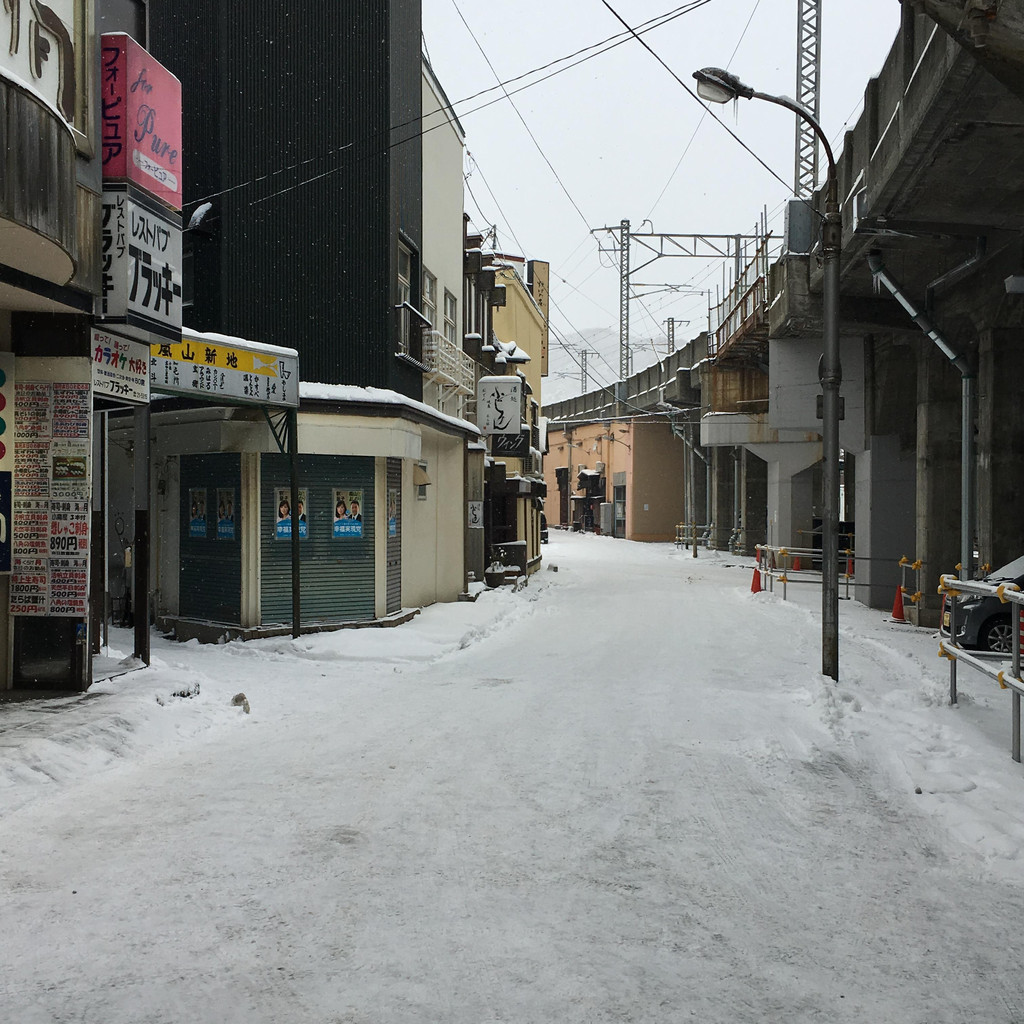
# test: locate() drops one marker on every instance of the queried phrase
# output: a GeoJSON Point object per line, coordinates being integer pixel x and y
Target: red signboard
{"type": "Point", "coordinates": [141, 119]}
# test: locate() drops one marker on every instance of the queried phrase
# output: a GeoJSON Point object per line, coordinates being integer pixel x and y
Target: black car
{"type": "Point", "coordinates": [985, 623]}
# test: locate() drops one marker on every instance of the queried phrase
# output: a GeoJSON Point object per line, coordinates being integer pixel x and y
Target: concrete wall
{"type": "Point", "coordinates": [433, 541]}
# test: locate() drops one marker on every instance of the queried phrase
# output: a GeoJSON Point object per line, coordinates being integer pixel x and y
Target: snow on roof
{"type": "Point", "coordinates": [378, 396]}
{"type": "Point", "coordinates": [227, 339]}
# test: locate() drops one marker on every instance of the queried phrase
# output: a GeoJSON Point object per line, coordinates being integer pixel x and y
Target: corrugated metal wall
{"type": "Point", "coordinates": [310, 180]}
{"type": "Point", "coordinates": [394, 552]}
{"type": "Point", "coordinates": [210, 568]}
{"type": "Point", "coordinates": [337, 574]}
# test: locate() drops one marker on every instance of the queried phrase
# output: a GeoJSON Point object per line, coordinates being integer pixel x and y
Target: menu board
{"type": "Point", "coordinates": [51, 498]}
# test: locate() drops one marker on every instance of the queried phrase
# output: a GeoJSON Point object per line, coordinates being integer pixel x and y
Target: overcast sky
{"type": "Point", "coordinates": [625, 140]}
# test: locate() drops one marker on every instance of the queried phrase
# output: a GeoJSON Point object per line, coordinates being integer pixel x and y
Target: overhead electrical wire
{"type": "Point", "coordinates": [612, 42]}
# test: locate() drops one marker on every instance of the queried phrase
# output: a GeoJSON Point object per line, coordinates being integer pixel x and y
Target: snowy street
{"type": "Point", "coordinates": [623, 793]}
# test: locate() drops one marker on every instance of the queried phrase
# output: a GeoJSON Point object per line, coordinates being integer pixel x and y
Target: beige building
{"type": "Point", "coordinates": [622, 477]}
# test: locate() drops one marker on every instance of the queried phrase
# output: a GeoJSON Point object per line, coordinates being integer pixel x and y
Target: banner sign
{"type": "Point", "coordinates": [120, 368]}
{"type": "Point", "coordinates": [141, 119]}
{"type": "Point", "coordinates": [141, 284]}
{"type": "Point", "coordinates": [499, 405]}
{"type": "Point", "coordinates": [214, 366]}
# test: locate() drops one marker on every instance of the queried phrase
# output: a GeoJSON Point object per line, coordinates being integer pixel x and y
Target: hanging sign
{"type": "Point", "coordinates": [120, 368]}
{"type": "Point", "coordinates": [214, 366]}
{"type": "Point", "coordinates": [499, 404]}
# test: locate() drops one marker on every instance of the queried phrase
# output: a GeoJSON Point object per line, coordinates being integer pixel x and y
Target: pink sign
{"type": "Point", "coordinates": [141, 119]}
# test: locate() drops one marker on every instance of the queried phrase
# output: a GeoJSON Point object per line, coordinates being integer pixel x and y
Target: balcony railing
{"type": "Point", "coordinates": [447, 365]}
{"type": "Point", "coordinates": [740, 320]}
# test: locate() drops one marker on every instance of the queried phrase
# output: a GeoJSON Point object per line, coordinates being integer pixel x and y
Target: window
{"type": "Point", "coordinates": [421, 480]}
{"type": "Point", "coordinates": [451, 312]}
{"type": "Point", "coordinates": [404, 274]}
{"type": "Point", "coordinates": [429, 303]}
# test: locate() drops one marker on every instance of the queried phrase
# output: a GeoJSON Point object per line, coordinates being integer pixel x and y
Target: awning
{"type": "Point", "coordinates": [419, 475]}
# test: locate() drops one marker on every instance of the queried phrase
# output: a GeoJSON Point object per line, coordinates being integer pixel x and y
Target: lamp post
{"type": "Point", "coordinates": [718, 86]}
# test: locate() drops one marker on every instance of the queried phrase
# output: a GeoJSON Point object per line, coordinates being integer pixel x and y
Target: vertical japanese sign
{"type": "Point", "coordinates": [141, 115]}
{"type": "Point", "coordinates": [141, 282]}
{"type": "Point", "coordinates": [499, 405]}
{"type": "Point", "coordinates": [225, 513]}
{"type": "Point", "coordinates": [475, 515]}
{"type": "Point", "coordinates": [348, 513]}
{"type": "Point", "coordinates": [51, 503]}
{"type": "Point", "coordinates": [283, 514]}
{"type": "Point", "coordinates": [39, 49]}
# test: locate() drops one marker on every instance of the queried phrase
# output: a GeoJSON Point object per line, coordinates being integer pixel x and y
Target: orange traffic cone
{"type": "Point", "coordinates": [755, 583]}
{"type": "Point", "coordinates": [796, 564]}
{"type": "Point", "coordinates": [897, 606]}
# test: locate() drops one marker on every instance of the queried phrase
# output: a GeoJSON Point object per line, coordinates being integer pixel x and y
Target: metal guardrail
{"type": "Point", "coordinates": [797, 565]}
{"type": "Point", "coordinates": [1007, 593]}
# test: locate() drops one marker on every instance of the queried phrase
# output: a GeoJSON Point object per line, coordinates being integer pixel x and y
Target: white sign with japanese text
{"type": "Point", "coordinates": [120, 368]}
{"type": "Point", "coordinates": [141, 264]}
{"type": "Point", "coordinates": [499, 405]}
{"type": "Point", "coordinates": [215, 366]}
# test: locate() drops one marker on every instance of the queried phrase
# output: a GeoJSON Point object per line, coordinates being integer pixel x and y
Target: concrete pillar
{"type": "Point", "coordinates": [938, 478]}
{"type": "Point", "coordinates": [722, 496]}
{"type": "Point", "coordinates": [885, 503]}
{"type": "Point", "coordinates": [755, 501]}
{"type": "Point", "coordinates": [1000, 444]}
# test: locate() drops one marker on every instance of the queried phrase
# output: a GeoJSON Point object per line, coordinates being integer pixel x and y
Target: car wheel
{"type": "Point", "coordinates": [997, 636]}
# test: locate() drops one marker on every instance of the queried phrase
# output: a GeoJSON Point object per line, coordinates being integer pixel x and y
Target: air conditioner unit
{"type": "Point", "coordinates": [599, 466]}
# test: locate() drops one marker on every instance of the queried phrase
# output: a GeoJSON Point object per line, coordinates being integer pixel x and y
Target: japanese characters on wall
{"type": "Point", "coordinates": [41, 50]}
{"type": "Point", "coordinates": [51, 505]}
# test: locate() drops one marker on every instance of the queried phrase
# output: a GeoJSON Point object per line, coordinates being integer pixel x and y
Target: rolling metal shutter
{"type": "Point", "coordinates": [210, 569]}
{"type": "Point", "coordinates": [337, 573]}
{"type": "Point", "coordinates": [394, 553]}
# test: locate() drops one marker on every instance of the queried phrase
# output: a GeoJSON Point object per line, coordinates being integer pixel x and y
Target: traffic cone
{"type": "Point", "coordinates": [897, 606]}
{"type": "Point", "coordinates": [755, 583]}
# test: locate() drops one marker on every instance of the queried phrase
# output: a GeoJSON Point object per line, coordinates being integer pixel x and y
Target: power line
{"type": "Point", "coordinates": [616, 40]}
{"type": "Point", "coordinates": [533, 138]}
{"type": "Point", "coordinates": [690, 92]}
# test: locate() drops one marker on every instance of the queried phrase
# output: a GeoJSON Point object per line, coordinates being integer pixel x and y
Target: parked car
{"type": "Point", "coordinates": [985, 623]}
{"type": "Point", "coordinates": [543, 528]}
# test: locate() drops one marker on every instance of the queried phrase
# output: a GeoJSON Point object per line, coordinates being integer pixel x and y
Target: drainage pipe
{"type": "Point", "coordinates": [968, 407]}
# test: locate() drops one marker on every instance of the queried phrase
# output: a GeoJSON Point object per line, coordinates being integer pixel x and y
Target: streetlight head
{"type": "Point", "coordinates": [716, 85]}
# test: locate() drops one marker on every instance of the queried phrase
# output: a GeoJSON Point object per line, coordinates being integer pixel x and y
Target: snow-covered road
{"type": "Point", "coordinates": [624, 793]}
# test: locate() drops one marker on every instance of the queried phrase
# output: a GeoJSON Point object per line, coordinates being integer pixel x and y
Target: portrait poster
{"type": "Point", "coordinates": [225, 513]}
{"type": "Point", "coordinates": [283, 514]}
{"type": "Point", "coordinates": [392, 512]}
{"type": "Point", "coordinates": [197, 512]}
{"type": "Point", "coordinates": [348, 513]}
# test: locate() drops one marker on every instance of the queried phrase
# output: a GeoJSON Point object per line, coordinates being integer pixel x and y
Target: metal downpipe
{"type": "Point", "coordinates": [968, 405]}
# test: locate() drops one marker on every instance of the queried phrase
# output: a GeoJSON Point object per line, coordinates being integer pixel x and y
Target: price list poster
{"type": "Point", "coordinates": [51, 498]}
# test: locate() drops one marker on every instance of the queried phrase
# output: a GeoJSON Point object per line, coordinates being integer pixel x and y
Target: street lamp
{"type": "Point", "coordinates": [719, 86]}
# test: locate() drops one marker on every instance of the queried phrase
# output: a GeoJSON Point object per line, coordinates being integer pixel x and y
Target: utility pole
{"type": "Point", "coordinates": [624, 300]}
{"type": "Point", "coordinates": [584, 378]}
{"type": "Point", "coordinates": [671, 335]}
{"type": "Point", "coordinates": [808, 74]}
